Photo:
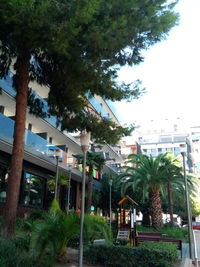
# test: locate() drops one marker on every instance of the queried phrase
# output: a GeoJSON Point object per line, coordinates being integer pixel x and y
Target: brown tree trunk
{"type": "Point", "coordinates": [89, 190]}
{"type": "Point", "coordinates": [170, 203]}
{"type": "Point", "coordinates": [156, 209]}
{"type": "Point", "coordinates": [146, 221]}
{"type": "Point", "coordinates": [22, 80]}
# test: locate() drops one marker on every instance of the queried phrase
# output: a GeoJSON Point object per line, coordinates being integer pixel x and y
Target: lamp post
{"type": "Point", "coordinates": [183, 150]}
{"type": "Point", "coordinates": [110, 183]}
{"type": "Point", "coordinates": [85, 140]}
{"type": "Point", "coordinates": [57, 156]}
{"type": "Point", "coordinates": [68, 190]}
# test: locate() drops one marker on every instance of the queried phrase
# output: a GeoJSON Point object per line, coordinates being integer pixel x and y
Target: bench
{"type": "Point", "coordinates": [149, 234]}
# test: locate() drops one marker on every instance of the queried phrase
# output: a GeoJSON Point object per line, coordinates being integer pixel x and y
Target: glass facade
{"type": "Point", "coordinates": [33, 190]}
{"type": "Point", "coordinates": [34, 144]}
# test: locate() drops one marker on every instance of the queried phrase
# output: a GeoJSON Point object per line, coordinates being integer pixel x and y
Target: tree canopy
{"type": "Point", "coordinates": [75, 49]}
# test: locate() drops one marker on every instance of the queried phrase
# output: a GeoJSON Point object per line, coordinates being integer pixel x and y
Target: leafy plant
{"type": "Point", "coordinates": [52, 233]}
{"type": "Point", "coordinates": [148, 254]}
{"type": "Point", "coordinates": [13, 255]}
{"type": "Point", "coordinates": [95, 227]}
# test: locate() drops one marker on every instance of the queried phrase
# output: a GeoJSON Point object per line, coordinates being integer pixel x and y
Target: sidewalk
{"type": "Point", "coordinates": [197, 237]}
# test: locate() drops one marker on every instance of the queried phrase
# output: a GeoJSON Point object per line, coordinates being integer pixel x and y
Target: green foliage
{"type": "Point", "coordinates": [77, 49]}
{"type": "Point", "coordinates": [94, 160]}
{"type": "Point", "coordinates": [56, 229]}
{"type": "Point", "coordinates": [63, 179]}
{"type": "Point", "coordinates": [195, 207]}
{"type": "Point", "coordinates": [101, 197]}
{"type": "Point", "coordinates": [95, 227]}
{"type": "Point", "coordinates": [155, 174]}
{"type": "Point", "coordinates": [163, 254]}
{"type": "Point", "coordinates": [148, 254]}
{"type": "Point", "coordinates": [12, 254]}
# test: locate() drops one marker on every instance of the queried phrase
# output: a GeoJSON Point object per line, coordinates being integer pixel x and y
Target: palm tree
{"type": "Point", "coordinates": [173, 178]}
{"type": "Point", "coordinates": [95, 161]}
{"type": "Point", "coordinates": [156, 176]}
{"type": "Point", "coordinates": [147, 176]}
{"type": "Point", "coordinates": [63, 179]}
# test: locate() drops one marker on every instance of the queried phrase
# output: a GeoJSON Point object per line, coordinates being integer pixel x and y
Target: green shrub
{"type": "Point", "coordinates": [116, 256]}
{"type": "Point", "coordinates": [12, 256]}
{"type": "Point", "coordinates": [148, 254]}
{"type": "Point", "coordinates": [162, 254]}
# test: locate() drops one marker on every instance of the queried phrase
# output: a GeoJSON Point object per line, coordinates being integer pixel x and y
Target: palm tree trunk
{"type": "Point", "coordinates": [22, 80]}
{"type": "Point", "coordinates": [89, 190]}
{"type": "Point", "coordinates": [146, 219]}
{"type": "Point", "coordinates": [156, 209]}
{"type": "Point", "coordinates": [170, 203]}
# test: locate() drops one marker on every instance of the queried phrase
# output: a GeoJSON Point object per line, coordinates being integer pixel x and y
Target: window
{"type": "Point", "coordinates": [3, 183]}
{"type": "Point", "coordinates": [33, 190]}
{"type": "Point", "coordinates": [30, 127]}
{"type": "Point", "coordinates": [177, 151]}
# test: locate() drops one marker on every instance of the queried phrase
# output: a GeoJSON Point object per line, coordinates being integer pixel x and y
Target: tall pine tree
{"type": "Point", "coordinates": [75, 48]}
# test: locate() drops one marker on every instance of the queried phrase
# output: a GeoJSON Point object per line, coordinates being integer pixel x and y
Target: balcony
{"type": "Point", "coordinates": [33, 143]}
{"type": "Point", "coordinates": [6, 85]}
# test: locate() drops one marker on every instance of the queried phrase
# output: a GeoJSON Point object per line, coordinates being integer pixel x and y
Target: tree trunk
{"type": "Point", "coordinates": [146, 219]}
{"type": "Point", "coordinates": [22, 80]}
{"type": "Point", "coordinates": [156, 210]}
{"type": "Point", "coordinates": [170, 203]}
{"type": "Point", "coordinates": [89, 190]}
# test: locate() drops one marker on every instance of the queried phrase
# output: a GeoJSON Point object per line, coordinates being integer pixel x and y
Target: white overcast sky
{"type": "Point", "coordinates": [170, 73]}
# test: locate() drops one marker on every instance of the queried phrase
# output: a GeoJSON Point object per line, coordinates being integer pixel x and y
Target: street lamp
{"type": "Point", "coordinates": [110, 183]}
{"type": "Point", "coordinates": [68, 189]}
{"type": "Point", "coordinates": [183, 150]}
{"type": "Point", "coordinates": [85, 140]}
{"type": "Point", "coordinates": [57, 156]}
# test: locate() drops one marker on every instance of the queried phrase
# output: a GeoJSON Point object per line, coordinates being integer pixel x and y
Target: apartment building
{"type": "Point", "coordinates": [166, 136]}
{"type": "Point", "coordinates": [43, 139]}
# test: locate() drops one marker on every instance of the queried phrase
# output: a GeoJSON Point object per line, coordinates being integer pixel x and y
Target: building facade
{"type": "Point", "coordinates": [43, 139]}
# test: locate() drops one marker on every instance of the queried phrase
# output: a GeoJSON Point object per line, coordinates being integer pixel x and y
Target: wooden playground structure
{"type": "Point", "coordinates": [127, 220]}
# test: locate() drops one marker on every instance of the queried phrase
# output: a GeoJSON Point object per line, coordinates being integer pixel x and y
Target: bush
{"type": "Point", "coordinates": [148, 254]}
{"type": "Point", "coordinates": [116, 256]}
{"type": "Point", "coordinates": [160, 254]}
{"type": "Point", "coordinates": [12, 256]}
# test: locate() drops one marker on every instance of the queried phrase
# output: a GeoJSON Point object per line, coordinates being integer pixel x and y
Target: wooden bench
{"type": "Point", "coordinates": [149, 234]}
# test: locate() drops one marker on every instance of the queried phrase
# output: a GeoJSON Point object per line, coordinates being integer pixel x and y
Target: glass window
{"type": "Point", "coordinates": [3, 183]}
{"type": "Point", "coordinates": [33, 190]}
{"type": "Point", "coordinates": [177, 151]}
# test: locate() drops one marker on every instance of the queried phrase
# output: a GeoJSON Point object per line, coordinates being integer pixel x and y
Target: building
{"type": "Point", "coordinates": [166, 136]}
{"type": "Point", "coordinates": [43, 139]}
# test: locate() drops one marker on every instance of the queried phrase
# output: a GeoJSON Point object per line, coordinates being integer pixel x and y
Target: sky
{"type": "Point", "coordinates": [170, 73]}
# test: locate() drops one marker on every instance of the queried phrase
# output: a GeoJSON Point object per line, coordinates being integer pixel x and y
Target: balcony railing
{"type": "Point", "coordinates": [6, 85]}
{"type": "Point", "coordinates": [33, 143]}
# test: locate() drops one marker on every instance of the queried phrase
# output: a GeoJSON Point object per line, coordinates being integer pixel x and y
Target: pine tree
{"type": "Point", "coordinates": [75, 48]}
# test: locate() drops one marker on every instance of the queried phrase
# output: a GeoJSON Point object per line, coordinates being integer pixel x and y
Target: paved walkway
{"type": "Point", "coordinates": [197, 238]}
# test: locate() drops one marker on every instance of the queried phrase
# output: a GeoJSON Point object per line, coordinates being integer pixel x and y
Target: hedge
{"type": "Point", "coordinates": [148, 254]}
